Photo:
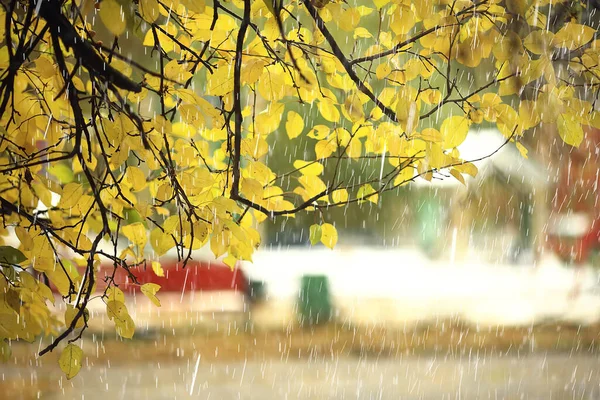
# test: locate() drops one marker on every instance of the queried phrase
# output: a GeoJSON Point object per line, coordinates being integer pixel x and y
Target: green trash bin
{"type": "Point", "coordinates": [315, 300]}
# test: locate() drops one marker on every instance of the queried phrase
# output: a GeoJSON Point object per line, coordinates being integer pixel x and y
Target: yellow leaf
{"type": "Point", "coordinates": [136, 233]}
{"type": "Point", "coordinates": [136, 178]}
{"type": "Point", "coordinates": [191, 115]}
{"type": "Point", "coordinates": [313, 185]}
{"type": "Point", "coordinates": [405, 176]}
{"type": "Point", "coordinates": [294, 124]}
{"type": "Point", "coordinates": [230, 261]}
{"type": "Point", "coordinates": [70, 314]}
{"type": "Point", "coordinates": [252, 70]}
{"type": "Point", "coordinates": [348, 19]}
{"type": "Point", "coordinates": [522, 150]}
{"type": "Point", "coordinates": [354, 108]}
{"type": "Point", "coordinates": [194, 6]}
{"type": "Point", "coordinates": [354, 149]}
{"type": "Point", "coordinates": [329, 235]}
{"type": "Point", "coordinates": [403, 20]}
{"type": "Point", "coordinates": [150, 290]}
{"type": "Point", "coordinates": [252, 189]}
{"type": "Point", "coordinates": [380, 3]}
{"type": "Point", "coordinates": [573, 36]}
{"type": "Point", "coordinates": [70, 360]}
{"type": "Point", "coordinates": [149, 10]}
{"type": "Point", "coordinates": [112, 16]}
{"type": "Point", "coordinates": [71, 194]}
{"type": "Point", "coordinates": [454, 131]}
{"type": "Point", "coordinates": [157, 268]}
{"type": "Point", "coordinates": [329, 110]}
{"type": "Point", "coordinates": [457, 175]}
{"type": "Point", "coordinates": [113, 293]}
{"type": "Point", "coordinates": [517, 6]}
{"type": "Point", "coordinates": [366, 192]}
{"type": "Point", "coordinates": [324, 149]}
{"type": "Point", "coordinates": [361, 32]}
{"type": "Point", "coordinates": [319, 132]}
{"type": "Point", "coordinates": [117, 312]}
{"type": "Point", "coordinates": [383, 70]}
{"type": "Point", "coordinates": [528, 114]}
{"type": "Point", "coordinates": [269, 120]}
{"type": "Point", "coordinates": [431, 96]}
{"type": "Point", "coordinates": [65, 277]}
{"type": "Point", "coordinates": [539, 42]}
{"type": "Point", "coordinates": [311, 168]}
{"type": "Point", "coordinates": [220, 83]}
{"type": "Point", "coordinates": [467, 168]}
{"type": "Point", "coordinates": [507, 120]}
{"type": "Point", "coordinates": [339, 196]}
{"type": "Point", "coordinates": [569, 129]}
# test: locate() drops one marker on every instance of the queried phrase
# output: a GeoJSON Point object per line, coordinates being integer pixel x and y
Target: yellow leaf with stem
{"type": "Point", "coordinates": [70, 360]}
{"type": "Point", "coordinates": [117, 312]}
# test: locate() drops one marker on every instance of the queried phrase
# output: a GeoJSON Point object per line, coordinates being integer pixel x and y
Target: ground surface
{"type": "Point", "coordinates": [531, 377]}
{"type": "Point", "coordinates": [444, 361]}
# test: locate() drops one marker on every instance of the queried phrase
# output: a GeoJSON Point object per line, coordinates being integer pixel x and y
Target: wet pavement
{"type": "Point", "coordinates": [534, 376]}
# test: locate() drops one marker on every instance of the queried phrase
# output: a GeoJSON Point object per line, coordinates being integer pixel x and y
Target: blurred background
{"type": "Point", "coordinates": [439, 291]}
{"type": "Point", "coordinates": [443, 290]}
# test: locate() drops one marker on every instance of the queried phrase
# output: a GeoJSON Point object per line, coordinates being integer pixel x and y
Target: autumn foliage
{"type": "Point", "coordinates": [158, 122]}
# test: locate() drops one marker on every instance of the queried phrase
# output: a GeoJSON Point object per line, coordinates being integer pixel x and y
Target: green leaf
{"type": "Point", "coordinates": [10, 255]}
{"type": "Point", "coordinates": [70, 360]}
{"type": "Point", "coordinates": [315, 234]}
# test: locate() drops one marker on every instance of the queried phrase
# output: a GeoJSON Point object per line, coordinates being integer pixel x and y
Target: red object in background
{"type": "Point", "coordinates": [578, 250]}
{"type": "Point", "coordinates": [196, 276]}
{"type": "Point", "coordinates": [578, 177]}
